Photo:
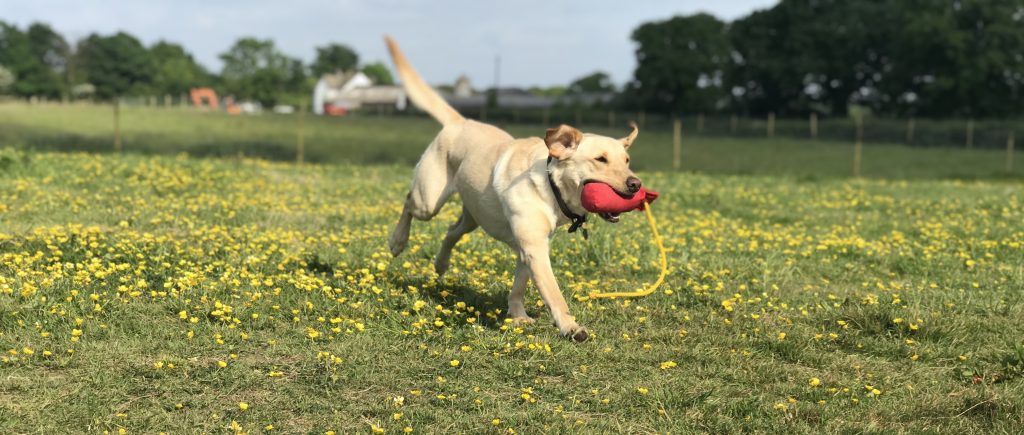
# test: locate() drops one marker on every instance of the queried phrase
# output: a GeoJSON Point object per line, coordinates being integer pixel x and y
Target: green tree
{"type": "Point", "coordinates": [681, 64]}
{"type": "Point", "coordinates": [24, 60]}
{"type": "Point", "coordinates": [804, 55]}
{"type": "Point", "coordinates": [6, 79]}
{"type": "Point", "coordinates": [597, 82]}
{"type": "Point", "coordinates": [50, 57]}
{"type": "Point", "coordinates": [958, 58]}
{"type": "Point", "coordinates": [117, 65]}
{"type": "Point", "coordinates": [176, 72]}
{"type": "Point", "coordinates": [334, 57]}
{"type": "Point", "coordinates": [379, 73]}
{"type": "Point", "coordinates": [15, 53]}
{"type": "Point", "coordinates": [255, 69]}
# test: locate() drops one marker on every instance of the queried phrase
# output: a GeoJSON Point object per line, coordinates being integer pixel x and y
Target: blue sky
{"type": "Point", "coordinates": [540, 42]}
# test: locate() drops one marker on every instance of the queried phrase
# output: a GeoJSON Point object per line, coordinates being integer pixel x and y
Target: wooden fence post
{"type": "Point", "coordinates": [300, 146]}
{"type": "Point", "coordinates": [910, 131]}
{"type": "Point", "coordinates": [859, 144]}
{"type": "Point", "coordinates": [771, 124]}
{"type": "Point", "coordinates": [1009, 152]}
{"type": "Point", "coordinates": [970, 133]}
{"type": "Point", "coordinates": [700, 123]}
{"type": "Point", "coordinates": [814, 125]}
{"type": "Point", "coordinates": [677, 143]}
{"type": "Point", "coordinates": [117, 124]}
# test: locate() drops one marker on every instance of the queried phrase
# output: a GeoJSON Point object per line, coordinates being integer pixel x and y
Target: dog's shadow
{"type": "Point", "coordinates": [450, 290]}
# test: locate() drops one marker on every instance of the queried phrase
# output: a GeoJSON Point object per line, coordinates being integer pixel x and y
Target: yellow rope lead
{"type": "Point", "coordinates": [664, 266]}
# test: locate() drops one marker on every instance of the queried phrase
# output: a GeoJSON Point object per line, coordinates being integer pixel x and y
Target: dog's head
{"type": "Point", "coordinates": [584, 158]}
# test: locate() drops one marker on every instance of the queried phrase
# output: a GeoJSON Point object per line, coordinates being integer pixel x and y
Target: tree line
{"type": "Point", "coordinates": [39, 62]}
{"type": "Point", "coordinates": [932, 58]}
{"type": "Point", "coordinates": [956, 58]}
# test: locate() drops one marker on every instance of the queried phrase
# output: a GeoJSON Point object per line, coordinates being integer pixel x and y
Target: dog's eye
{"type": "Point", "coordinates": [602, 159]}
{"type": "Point", "coordinates": [627, 160]}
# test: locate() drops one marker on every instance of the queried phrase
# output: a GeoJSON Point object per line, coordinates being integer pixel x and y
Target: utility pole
{"type": "Point", "coordinates": [497, 78]}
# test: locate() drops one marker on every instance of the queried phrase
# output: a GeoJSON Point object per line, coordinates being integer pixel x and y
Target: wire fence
{"type": "Point", "coordinates": [918, 132]}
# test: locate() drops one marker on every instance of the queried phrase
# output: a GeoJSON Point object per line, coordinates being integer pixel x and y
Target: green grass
{"type": "Point", "coordinates": [361, 139]}
{"type": "Point", "coordinates": [264, 259]}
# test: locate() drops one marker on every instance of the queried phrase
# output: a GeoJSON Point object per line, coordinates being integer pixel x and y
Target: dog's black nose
{"type": "Point", "coordinates": [633, 184]}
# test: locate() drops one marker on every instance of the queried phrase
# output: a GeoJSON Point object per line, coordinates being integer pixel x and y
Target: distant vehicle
{"type": "Point", "coordinates": [203, 98]}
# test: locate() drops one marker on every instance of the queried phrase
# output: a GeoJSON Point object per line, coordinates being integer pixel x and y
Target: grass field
{"type": "Point", "coordinates": [156, 291]}
{"type": "Point", "coordinates": [170, 293]}
{"type": "Point", "coordinates": [384, 140]}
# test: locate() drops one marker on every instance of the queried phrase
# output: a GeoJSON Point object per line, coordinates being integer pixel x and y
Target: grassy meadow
{"type": "Point", "coordinates": [163, 291]}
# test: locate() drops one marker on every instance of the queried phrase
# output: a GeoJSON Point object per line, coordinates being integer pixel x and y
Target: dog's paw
{"type": "Point", "coordinates": [522, 320]}
{"type": "Point", "coordinates": [578, 334]}
{"type": "Point", "coordinates": [441, 266]}
{"type": "Point", "coordinates": [396, 245]}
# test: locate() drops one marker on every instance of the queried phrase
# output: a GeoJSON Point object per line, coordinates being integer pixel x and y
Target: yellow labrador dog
{"type": "Point", "coordinates": [518, 190]}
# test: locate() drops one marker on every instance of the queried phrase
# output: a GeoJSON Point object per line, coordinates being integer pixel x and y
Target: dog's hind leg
{"type": "Point", "coordinates": [461, 227]}
{"type": "Point", "coordinates": [431, 187]}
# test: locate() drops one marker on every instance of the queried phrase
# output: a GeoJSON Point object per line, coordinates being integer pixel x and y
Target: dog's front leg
{"type": "Point", "coordinates": [517, 297]}
{"type": "Point", "coordinates": [535, 253]}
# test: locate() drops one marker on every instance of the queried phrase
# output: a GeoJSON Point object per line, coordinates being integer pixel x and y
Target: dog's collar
{"type": "Point", "coordinates": [577, 220]}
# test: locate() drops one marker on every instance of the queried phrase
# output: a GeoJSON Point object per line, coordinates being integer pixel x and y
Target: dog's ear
{"type": "Point", "coordinates": [628, 140]}
{"type": "Point", "coordinates": [562, 141]}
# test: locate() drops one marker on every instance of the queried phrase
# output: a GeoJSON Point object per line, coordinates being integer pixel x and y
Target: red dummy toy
{"type": "Point", "coordinates": [601, 198]}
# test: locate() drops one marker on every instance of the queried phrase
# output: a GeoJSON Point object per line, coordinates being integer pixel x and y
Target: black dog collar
{"type": "Point", "coordinates": [577, 220]}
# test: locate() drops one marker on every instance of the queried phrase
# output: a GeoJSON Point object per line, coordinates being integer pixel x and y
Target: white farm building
{"type": "Point", "coordinates": [340, 92]}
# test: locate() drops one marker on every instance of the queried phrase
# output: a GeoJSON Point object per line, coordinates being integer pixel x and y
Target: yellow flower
{"type": "Point", "coordinates": [454, 363]}
{"type": "Point", "coordinates": [243, 406]}
{"type": "Point", "coordinates": [814, 382]}
{"type": "Point", "coordinates": [222, 364]}
{"type": "Point", "coordinates": [667, 365]}
{"type": "Point", "coordinates": [643, 391]}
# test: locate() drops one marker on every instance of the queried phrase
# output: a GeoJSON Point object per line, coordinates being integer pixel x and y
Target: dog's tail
{"type": "Point", "coordinates": [421, 94]}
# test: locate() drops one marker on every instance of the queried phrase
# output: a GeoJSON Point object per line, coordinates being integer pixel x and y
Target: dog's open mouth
{"type": "Point", "coordinates": [610, 217]}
